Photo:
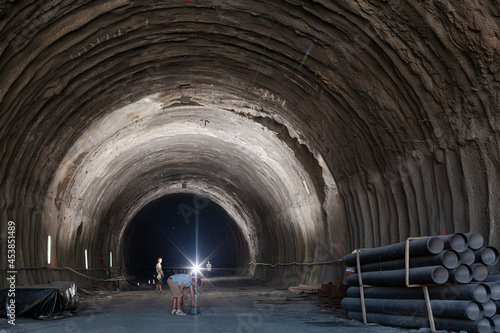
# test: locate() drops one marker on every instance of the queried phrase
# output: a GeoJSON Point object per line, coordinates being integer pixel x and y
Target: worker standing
{"type": "Point", "coordinates": [209, 269]}
{"type": "Point", "coordinates": [159, 276]}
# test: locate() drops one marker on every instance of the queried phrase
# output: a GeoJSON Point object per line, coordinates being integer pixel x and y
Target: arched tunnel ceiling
{"type": "Point", "coordinates": [108, 105]}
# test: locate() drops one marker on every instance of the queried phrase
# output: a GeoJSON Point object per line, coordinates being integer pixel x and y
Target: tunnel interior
{"type": "Point", "coordinates": [317, 127]}
{"type": "Point", "coordinates": [173, 227]}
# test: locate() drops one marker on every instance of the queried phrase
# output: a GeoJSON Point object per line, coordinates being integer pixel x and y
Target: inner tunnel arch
{"type": "Point", "coordinates": [242, 161]}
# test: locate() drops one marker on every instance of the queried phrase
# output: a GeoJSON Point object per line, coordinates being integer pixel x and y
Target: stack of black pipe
{"type": "Point", "coordinates": [454, 269]}
{"type": "Point", "coordinates": [495, 280]}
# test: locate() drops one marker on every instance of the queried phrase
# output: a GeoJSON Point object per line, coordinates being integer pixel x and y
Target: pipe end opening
{"type": "Point", "coordinates": [494, 291]}
{"type": "Point", "coordinates": [481, 294]}
{"type": "Point", "coordinates": [440, 275]}
{"type": "Point", "coordinates": [458, 242]}
{"type": "Point", "coordinates": [467, 257]}
{"type": "Point", "coordinates": [479, 272]}
{"type": "Point", "coordinates": [484, 325]}
{"type": "Point", "coordinates": [489, 308]}
{"type": "Point", "coordinates": [451, 259]}
{"type": "Point", "coordinates": [462, 274]}
{"type": "Point", "coordinates": [473, 311]}
{"type": "Point", "coordinates": [476, 240]}
{"type": "Point", "coordinates": [435, 245]}
{"type": "Point", "coordinates": [489, 256]}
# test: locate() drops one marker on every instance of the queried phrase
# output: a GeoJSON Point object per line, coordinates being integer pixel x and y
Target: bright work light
{"type": "Point", "coordinates": [196, 269]}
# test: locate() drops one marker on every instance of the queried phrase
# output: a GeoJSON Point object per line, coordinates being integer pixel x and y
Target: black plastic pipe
{"type": "Point", "coordinates": [483, 325]}
{"type": "Point", "coordinates": [492, 278]}
{"type": "Point", "coordinates": [493, 288]}
{"type": "Point", "coordinates": [475, 240]}
{"type": "Point", "coordinates": [447, 258]}
{"type": "Point", "coordinates": [419, 275]}
{"type": "Point", "coordinates": [461, 274]}
{"type": "Point", "coordinates": [479, 272]}
{"type": "Point", "coordinates": [468, 257]}
{"type": "Point", "coordinates": [418, 247]}
{"type": "Point", "coordinates": [475, 292]}
{"type": "Point", "coordinates": [497, 303]}
{"type": "Point", "coordinates": [489, 308]}
{"type": "Point", "coordinates": [440, 308]}
{"type": "Point", "coordinates": [496, 321]}
{"type": "Point", "coordinates": [457, 242]}
{"type": "Point", "coordinates": [487, 255]}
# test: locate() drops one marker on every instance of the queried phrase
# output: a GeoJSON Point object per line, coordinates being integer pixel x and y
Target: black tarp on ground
{"type": "Point", "coordinates": [41, 301]}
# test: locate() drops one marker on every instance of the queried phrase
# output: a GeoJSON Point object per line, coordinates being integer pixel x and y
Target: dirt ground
{"type": "Point", "coordinates": [227, 304]}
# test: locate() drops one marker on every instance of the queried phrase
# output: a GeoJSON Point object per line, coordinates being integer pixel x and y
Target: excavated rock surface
{"type": "Point", "coordinates": [319, 126]}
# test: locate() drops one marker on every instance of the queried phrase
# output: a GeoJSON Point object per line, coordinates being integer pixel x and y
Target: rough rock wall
{"type": "Point", "coordinates": [436, 151]}
{"type": "Point", "coordinates": [393, 103]}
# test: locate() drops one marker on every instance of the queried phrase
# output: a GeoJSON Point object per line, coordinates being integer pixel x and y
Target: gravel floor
{"type": "Point", "coordinates": [225, 305]}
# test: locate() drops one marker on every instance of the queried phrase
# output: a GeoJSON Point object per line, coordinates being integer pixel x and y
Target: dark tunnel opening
{"type": "Point", "coordinates": [169, 227]}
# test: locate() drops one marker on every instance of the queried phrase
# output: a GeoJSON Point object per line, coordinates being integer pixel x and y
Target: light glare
{"type": "Point", "coordinates": [196, 269]}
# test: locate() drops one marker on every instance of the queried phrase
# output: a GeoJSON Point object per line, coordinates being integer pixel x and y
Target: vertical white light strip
{"type": "Point", "coordinates": [305, 186]}
{"type": "Point", "coordinates": [48, 249]}
{"type": "Point", "coordinates": [86, 261]}
{"type": "Point", "coordinates": [110, 259]}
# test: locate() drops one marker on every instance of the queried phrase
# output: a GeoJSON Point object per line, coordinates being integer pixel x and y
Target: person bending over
{"type": "Point", "coordinates": [177, 283]}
